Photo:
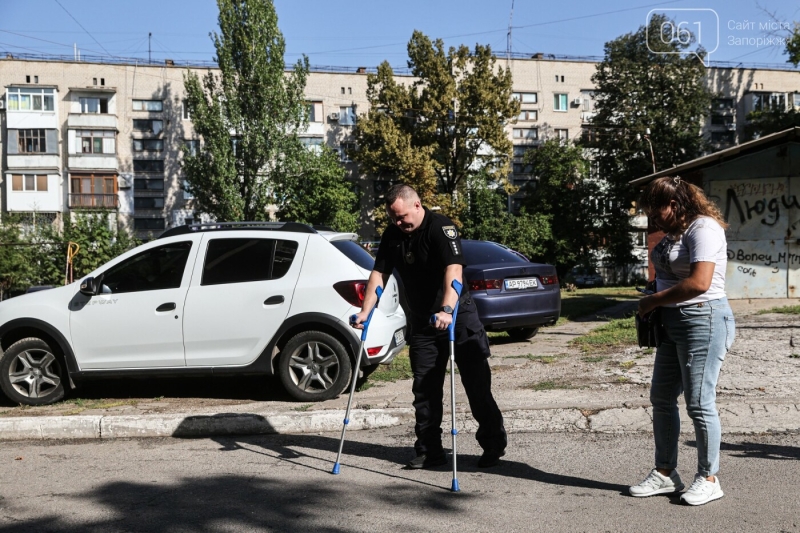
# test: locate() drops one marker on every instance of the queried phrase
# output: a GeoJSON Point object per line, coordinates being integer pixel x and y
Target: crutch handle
{"type": "Point", "coordinates": [458, 287]}
{"type": "Point", "coordinates": [379, 293]}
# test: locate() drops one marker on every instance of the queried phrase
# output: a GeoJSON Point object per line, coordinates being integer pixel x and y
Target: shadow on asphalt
{"type": "Point", "coordinates": [281, 448]}
{"type": "Point", "coordinates": [252, 388]}
{"type": "Point", "coordinates": [757, 450]}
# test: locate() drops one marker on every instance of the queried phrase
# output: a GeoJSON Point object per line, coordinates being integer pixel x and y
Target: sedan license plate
{"type": "Point", "coordinates": [399, 337]}
{"type": "Point", "coordinates": [525, 283]}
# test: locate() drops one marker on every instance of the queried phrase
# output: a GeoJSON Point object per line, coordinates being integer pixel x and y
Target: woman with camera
{"type": "Point", "coordinates": [698, 328]}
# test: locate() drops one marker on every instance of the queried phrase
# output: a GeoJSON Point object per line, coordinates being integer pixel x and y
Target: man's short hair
{"type": "Point", "coordinates": [401, 190]}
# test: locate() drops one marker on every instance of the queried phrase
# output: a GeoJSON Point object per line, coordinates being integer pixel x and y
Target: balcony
{"type": "Point", "coordinates": [93, 201]}
{"type": "Point", "coordinates": [92, 162]}
{"type": "Point", "coordinates": [91, 120]}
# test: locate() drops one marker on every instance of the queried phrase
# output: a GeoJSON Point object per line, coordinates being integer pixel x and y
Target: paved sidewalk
{"type": "Point", "coordinates": [541, 385]}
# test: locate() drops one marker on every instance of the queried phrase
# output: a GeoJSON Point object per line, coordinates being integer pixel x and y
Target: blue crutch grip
{"type": "Point", "coordinates": [458, 287]}
{"type": "Point", "coordinates": [379, 292]}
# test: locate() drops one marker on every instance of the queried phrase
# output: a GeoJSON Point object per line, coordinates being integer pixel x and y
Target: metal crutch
{"type": "Point", "coordinates": [452, 332]}
{"type": "Point", "coordinates": [378, 292]}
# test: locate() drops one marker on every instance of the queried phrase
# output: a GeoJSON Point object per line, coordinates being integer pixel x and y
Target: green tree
{"type": "Point", "coordinates": [760, 123]}
{"type": "Point", "coordinates": [568, 196]}
{"type": "Point", "coordinates": [486, 217]}
{"type": "Point", "coordinates": [315, 191]}
{"type": "Point", "coordinates": [248, 114]}
{"type": "Point", "coordinates": [793, 45]}
{"type": "Point", "coordinates": [17, 271]}
{"type": "Point", "coordinates": [436, 132]}
{"type": "Point", "coordinates": [641, 86]}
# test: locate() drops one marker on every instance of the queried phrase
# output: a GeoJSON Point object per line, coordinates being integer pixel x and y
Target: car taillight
{"type": "Point", "coordinates": [372, 352]}
{"type": "Point", "coordinates": [549, 280]}
{"type": "Point", "coordinates": [352, 291]}
{"type": "Point", "coordinates": [485, 284]}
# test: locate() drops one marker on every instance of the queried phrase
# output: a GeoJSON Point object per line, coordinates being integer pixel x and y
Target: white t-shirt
{"type": "Point", "coordinates": [703, 240]}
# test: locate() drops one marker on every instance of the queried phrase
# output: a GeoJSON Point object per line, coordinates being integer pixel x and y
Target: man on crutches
{"type": "Point", "coordinates": [425, 248]}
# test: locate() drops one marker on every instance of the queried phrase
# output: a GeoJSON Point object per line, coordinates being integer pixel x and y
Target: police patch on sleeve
{"type": "Point", "coordinates": [450, 232]}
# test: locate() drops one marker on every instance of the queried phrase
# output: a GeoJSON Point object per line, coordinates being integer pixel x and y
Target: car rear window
{"type": "Point", "coordinates": [482, 252]}
{"type": "Point", "coordinates": [355, 253]}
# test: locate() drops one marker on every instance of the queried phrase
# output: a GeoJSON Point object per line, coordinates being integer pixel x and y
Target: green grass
{"type": "Point", "coordinates": [83, 405]}
{"type": "Point", "coordinates": [627, 365]}
{"type": "Point", "coordinates": [303, 408]}
{"type": "Point", "coordinates": [620, 332]}
{"type": "Point", "coordinates": [795, 356]}
{"type": "Point", "coordinates": [788, 310]}
{"type": "Point", "coordinates": [585, 302]}
{"type": "Point", "coordinates": [545, 359]}
{"type": "Point", "coordinates": [544, 385]}
{"type": "Point", "coordinates": [399, 368]}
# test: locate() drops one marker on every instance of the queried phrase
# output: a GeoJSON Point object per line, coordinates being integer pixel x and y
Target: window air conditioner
{"type": "Point", "coordinates": [730, 127]}
{"type": "Point", "coordinates": [577, 101]}
{"type": "Point", "coordinates": [334, 116]}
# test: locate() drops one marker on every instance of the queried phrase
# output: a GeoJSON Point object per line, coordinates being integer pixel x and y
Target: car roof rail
{"type": "Point", "coordinates": [295, 227]}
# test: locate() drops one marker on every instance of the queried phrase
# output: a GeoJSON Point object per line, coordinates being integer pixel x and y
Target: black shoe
{"type": "Point", "coordinates": [490, 458]}
{"type": "Point", "coordinates": [427, 461]}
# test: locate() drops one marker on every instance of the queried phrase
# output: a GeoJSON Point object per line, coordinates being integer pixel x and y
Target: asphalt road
{"type": "Point", "coordinates": [547, 482]}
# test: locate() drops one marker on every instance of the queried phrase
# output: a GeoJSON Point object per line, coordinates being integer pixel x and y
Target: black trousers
{"type": "Point", "coordinates": [429, 354]}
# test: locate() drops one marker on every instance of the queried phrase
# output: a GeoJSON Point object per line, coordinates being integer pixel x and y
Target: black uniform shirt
{"type": "Point", "coordinates": [421, 258]}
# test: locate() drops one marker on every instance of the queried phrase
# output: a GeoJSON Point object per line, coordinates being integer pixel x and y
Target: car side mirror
{"type": "Point", "coordinates": [89, 286]}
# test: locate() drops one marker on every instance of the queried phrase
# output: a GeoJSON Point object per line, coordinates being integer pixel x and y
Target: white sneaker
{"type": "Point", "coordinates": [655, 483]}
{"type": "Point", "coordinates": [703, 491]}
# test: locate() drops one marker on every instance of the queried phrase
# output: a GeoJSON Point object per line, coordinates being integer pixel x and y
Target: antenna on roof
{"type": "Point", "coordinates": [508, 36]}
{"type": "Point", "coordinates": [149, 36]}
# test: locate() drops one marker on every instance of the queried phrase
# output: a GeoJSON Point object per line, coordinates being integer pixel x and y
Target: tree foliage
{"type": "Point", "coordinates": [315, 191]}
{"type": "Point", "coordinates": [248, 114]}
{"type": "Point", "coordinates": [640, 87]}
{"type": "Point", "coordinates": [569, 197]}
{"type": "Point", "coordinates": [486, 217]}
{"type": "Point", "coordinates": [439, 130]}
{"type": "Point", "coordinates": [760, 123]}
{"type": "Point", "coordinates": [793, 45]}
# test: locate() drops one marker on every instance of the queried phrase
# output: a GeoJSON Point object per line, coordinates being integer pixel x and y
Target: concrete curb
{"type": "Point", "coordinates": [736, 418]}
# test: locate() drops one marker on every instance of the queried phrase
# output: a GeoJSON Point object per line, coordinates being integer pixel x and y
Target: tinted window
{"type": "Point", "coordinates": [482, 252]}
{"type": "Point", "coordinates": [156, 269]}
{"type": "Point", "coordinates": [355, 253]}
{"type": "Point", "coordinates": [243, 260]}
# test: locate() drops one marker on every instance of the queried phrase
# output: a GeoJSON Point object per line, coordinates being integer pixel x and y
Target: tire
{"type": "Point", "coordinates": [314, 367]}
{"type": "Point", "coordinates": [31, 373]}
{"type": "Point", "coordinates": [522, 334]}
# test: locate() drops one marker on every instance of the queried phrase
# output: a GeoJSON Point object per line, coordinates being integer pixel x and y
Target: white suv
{"type": "Point", "coordinates": [237, 298]}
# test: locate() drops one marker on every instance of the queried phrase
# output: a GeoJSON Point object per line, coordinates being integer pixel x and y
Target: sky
{"type": "Point", "coordinates": [357, 33]}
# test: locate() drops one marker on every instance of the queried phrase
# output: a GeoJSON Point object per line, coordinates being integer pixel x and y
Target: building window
{"type": "Point", "coordinates": [312, 143]}
{"type": "Point", "coordinates": [519, 151]}
{"type": "Point", "coordinates": [148, 184]}
{"type": "Point", "coordinates": [526, 133]}
{"type": "Point", "coordinates": [93, 191]}
{"type": "Point", "coordinates": [186, 194]}
{"type": "Point", "coordinates": [769, 101]}
{"type": "Point", "coordinates": [344, 150]}
{"type": "Point", "coordinates": [29, 182]}
{"type": "Point", "coordinates": [722, 137]}
{"type": "Point", "coordinates": [560, 102]}
{"type": "Point", "coordinates": [522, 168]}
{"type": "Point", "coordinates": [191, 147]}
{"type": "Point", "coordinates": [722, 104]}
{"type": "Point", "coordinates": [148, 165]}
{"type": "Point", "coordinates": [30, 99]}
{"type": "Point", "coordinates": [94, 105]}
{"type": "Point", "coordinates": [796, 100]}
{"type": "Point", "coordinates": [31, 141]}
{"type": "Point", "coordinates": [150, 224]}
{"type": "Point", "coordinates": [148, 126]}
{"type": "Point", "coordinates": [347, 115]}
{"type": "Point", "coordinates": [149, 145]}
{"type": "Point", "coordinates": [525, 98]}
{"type": "Point", "coordinates": [148, 203]}
{"type": "Point", "coordinates": [528, 116]}
{"type": "Point", "coordinates": [148, 105]}
{"type": "Point", "coordinates": [588, 101]}
{"type": "Point", "coordinates": [721, 120]}
{"type": "Point", "coordinates": [96, 141]}
{"type": "Point", "coordinates": [561, 134]}
{"type": "Point", "coordinates": [187, 115]}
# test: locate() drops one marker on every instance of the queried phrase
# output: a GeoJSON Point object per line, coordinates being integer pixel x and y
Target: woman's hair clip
{"type": "Point", "coordinates": [676, 180]}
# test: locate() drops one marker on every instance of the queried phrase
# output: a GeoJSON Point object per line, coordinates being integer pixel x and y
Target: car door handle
{"type": "Point", "coordinates": [274, 300]}
{"type": "Point", "coordinates": [165, 307]}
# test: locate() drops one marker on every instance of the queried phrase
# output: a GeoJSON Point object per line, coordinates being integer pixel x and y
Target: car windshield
{"type": "Point", "coordinates": [482, 252]}
{"type": "Point", "coordinates": [355, 253]}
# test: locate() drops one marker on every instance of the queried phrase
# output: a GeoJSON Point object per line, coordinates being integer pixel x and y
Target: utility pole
{"type": "Point", "coordinates": [508, 36]}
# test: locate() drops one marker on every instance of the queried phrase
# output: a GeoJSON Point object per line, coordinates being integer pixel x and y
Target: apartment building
{"type": "Point", "coordinates": [78, 136]}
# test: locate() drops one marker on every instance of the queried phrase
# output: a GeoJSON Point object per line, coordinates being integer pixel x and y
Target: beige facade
{"type": "Point", "coordinates": [113, 136]}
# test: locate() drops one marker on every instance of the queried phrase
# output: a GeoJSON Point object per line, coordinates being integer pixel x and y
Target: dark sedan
{"type": "Point", "coordinates": [512, 294]}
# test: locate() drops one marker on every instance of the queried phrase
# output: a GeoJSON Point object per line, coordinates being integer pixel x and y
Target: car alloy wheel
{"type": "Point", "coordinates": [30, 373]}
{"type": "Point", "coordinates": [314, 366]}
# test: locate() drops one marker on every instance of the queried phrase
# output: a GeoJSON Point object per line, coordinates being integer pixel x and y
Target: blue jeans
{"type": "Point", "coordinates": [689, 361]}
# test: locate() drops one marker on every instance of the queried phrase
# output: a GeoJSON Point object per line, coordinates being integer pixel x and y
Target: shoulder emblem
{"type": "Point", "coordinates": [450, 232]}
